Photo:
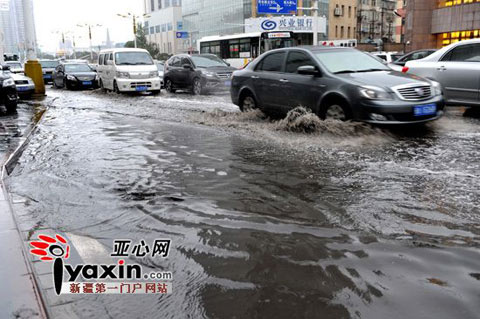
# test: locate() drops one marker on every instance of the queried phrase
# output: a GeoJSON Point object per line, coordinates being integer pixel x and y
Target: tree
{"type": "Point", "coordinates": [143, 43]}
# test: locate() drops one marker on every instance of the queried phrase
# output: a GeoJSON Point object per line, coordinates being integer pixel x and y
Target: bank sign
{"type": "Point", "coordinates": [292, 23]}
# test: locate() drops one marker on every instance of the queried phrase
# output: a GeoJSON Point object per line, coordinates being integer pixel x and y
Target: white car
{"type": "Point", "coordinates": [24, 84]}
{"type": "Point", "coordinates": [389, 57]}
{"type": "Point", "coordinates": [457, 68]}
{"type": "Point", "coordinates": [15, 66]}
{"type": "Point", "coordinates": [128, 70]}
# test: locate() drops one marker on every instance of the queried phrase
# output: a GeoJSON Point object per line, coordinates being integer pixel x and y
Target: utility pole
{"type": "Point", "coordinates": [33, 69]}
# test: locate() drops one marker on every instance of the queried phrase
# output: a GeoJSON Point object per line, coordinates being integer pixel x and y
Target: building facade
{"type": "Point", "coordinates": [437, 23]}
{"type": "Point", "coordinates": [342, 19]}
{"type": "Point", "coordinates": [13, 27]}
{"type": "Point", "coordinates": [376, 20]}
{"type": "Point", "coordinates": [163, 21]}
{"type": "Point", "coordinates": [212, 17]}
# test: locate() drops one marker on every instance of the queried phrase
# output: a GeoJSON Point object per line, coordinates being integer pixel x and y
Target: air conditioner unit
{"type": "Point", "coordinates": [337, 12]}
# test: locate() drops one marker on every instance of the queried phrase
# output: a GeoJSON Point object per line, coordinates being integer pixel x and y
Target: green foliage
{"type": "Point", "coordinates": [143, 43]}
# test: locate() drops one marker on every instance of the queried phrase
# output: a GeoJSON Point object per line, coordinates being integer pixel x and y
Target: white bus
{"type": "Point", "coordinates": [240, 49]}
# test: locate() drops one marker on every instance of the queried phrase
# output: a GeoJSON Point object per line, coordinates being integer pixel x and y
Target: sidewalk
{"type": "Point", "coordinates": [18, 296]}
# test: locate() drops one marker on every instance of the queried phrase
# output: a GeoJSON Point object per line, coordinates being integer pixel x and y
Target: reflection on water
{"type": "Point", "coordinates": [265, 223]}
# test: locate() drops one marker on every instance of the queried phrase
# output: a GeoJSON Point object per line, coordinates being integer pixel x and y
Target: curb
{"type": "Point", "coordinates": [7, 168]}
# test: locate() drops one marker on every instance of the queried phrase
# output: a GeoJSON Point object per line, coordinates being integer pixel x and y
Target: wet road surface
{"type": "Point", "coordinates": [347, 222]}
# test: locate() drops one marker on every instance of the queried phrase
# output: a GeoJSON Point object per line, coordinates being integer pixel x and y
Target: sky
{"type": "Point", "coordinates": [55, 16]}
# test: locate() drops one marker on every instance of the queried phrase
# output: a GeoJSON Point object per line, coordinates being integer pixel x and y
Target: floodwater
{"type": "Point", "coordinates": [348, 221]}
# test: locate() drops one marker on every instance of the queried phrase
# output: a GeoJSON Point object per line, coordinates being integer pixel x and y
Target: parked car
{"type": "Point", "coordinates": [398, 64]}
{"type": "Point", "coordinates": [48, 67]}
{"type": "Point", "coordinates": [457, 68]}
{"type": "Point", "coordinates": [15, 66]}
{"type": "Point", "coordinates": [73, 75]}
{"type": "Point", "coordinates": [128, 70]}
{"type": "Point", "coordinates": [335, 83]}
{"type": "Point", "coordinates": [389, 57]}
{"type": "Point", "coordinates": [24, 84]}
{"type": "Point", "coordinates": [161, 71]}
{"type": "Point", "coordinates": [199, 73]}
{"type": "Point", "coordinates": [8, 91]}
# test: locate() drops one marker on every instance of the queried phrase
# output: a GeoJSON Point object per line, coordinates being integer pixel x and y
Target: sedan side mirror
{"type": "Point", "coordinates": [187, 66]}
{"type": "Point", "coordinates": [309, 70]}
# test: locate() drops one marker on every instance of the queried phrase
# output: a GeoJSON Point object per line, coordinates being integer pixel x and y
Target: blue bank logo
{"type": "Point", "coordinates": [269, 25]}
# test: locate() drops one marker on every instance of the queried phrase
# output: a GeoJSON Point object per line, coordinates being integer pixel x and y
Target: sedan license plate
{"type": "Point", "coordinates": [87, 82]}
{"type": "Point", "coordinates": [141, 88]}
{"type": "Point", "coordinates": [22, 88]}
{"type": "Point", "coordinates": [228, 83]}
{"type": "Point", "coordinates": [423, 110]}
{"type": "Point", "coordinates": [47, 76]}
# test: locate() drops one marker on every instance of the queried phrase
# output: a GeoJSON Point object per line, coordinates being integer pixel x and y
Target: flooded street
{"type": "Point", "coordinates": [349, 221]}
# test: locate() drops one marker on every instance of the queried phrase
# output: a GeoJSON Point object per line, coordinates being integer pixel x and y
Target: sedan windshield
{"type": "Point", "coordinates": [49, 64]}
{"type": "Point", "coordinates": [205, 61]}
{"type": "Point", "coordinates": [133, 58]}
{"type": "Point", "coordinates": [15, 65]}
{"type": "Point", "coordinates": [349, 61]}
{"type": "Point", "coordinates": [77, 68]}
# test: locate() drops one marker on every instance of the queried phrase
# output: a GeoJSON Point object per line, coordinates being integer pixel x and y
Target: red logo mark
{"type": "Point", "coordinates": [49, 248]}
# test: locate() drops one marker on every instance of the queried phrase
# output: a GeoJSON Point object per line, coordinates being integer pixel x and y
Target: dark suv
{"type": "Point", "coordinates": [8, 90]}
{"type": "Point", "coordinates": [199, 73]}
{"type": "Point", "coordinates": [336, 83]}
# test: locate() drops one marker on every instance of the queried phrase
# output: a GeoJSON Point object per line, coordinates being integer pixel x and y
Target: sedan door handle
{"type": "Point", "coordinates": [284, 80]}
{"type": "Point", "coordinates": [255, 77]}
{"type": "Point", "coordinates": [442, 68]}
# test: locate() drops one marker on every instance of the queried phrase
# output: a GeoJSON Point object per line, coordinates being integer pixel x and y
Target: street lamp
{"type": "Point", "coordinates": [89, 26]}
{"type": "Point", "coordinates": [134, 17]}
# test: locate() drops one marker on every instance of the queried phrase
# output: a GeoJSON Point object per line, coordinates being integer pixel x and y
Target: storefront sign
{"type": "Point", "coordinates": [290, 23]}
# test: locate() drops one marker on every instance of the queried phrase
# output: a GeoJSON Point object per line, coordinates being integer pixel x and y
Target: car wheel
{"type": "Point", "coordinates": [169, 86]}
{"type": "Point", "coordinates": [336, 111]}
{"type": "Point", "coordinates": [102, 87]}
{"type": "Point", "coordinates": [115, 87]}
{"type": "Point", "coordinates": [197, 88]}
{"type": "Point", "coordinates": [65, 85]}
{"type": "Point", "coordinates": [248, 103]}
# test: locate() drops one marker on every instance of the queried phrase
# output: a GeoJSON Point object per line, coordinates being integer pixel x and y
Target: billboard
{"type": "Point", "coordinates": [292, 23]}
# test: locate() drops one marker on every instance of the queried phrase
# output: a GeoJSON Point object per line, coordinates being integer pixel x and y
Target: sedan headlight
{"type": "Point", "coordinates": [374, 93]}
{"type": "Point", "coordinates": [8, 82]}
{"type": "Point", "coordinates": [209, 73]}
{"type": "Point", "coordinates": [436, 88]}
{"type": "Point", "coordinates": [71, 78]}
{"type": "Point", "coordinates": [153, 74]}
{"type": "Point", "coordinates": [124, 75]}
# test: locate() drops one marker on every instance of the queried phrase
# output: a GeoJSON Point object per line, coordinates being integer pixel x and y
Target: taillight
{"type": "Point", "coordinates": [405, 69]}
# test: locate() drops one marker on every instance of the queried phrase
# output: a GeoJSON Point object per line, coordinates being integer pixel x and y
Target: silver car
{"type": "Point", "coordinates": [457, 68]}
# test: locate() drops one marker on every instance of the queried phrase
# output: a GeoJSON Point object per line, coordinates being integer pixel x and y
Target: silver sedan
{"type": "Point", "coordinates": [457, 68]}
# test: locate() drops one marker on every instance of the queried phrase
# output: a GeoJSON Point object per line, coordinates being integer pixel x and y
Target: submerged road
{"type": "Point", "coordinates": [347, 222]}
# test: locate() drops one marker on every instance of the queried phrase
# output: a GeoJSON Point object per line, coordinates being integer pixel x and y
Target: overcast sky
{"type": "Point", "coordinates": [63, 15]}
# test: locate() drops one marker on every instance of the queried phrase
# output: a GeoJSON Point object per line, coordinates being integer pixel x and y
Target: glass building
{"type": "Point", "coordinates": [212, 17]}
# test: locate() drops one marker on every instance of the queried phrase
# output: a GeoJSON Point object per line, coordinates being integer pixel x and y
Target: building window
{"type": "Point", "coordinates": [349, 11]}
{"type": "Point", "coordinates": [152, 30]}
{"type": "Point", "coordinates": [453, 37]}
{"type": "Point", "coordinates": [170, 27]}
{"type": "Point", "coordinates": [343, 10]}
{"type": "Point", "coordinates": [167, 3]}
{"type": "Point", "coordinates": [336, 31]}
{"type": "Point", "coordinates": [159, 4]}
{"type": "Point", "coordinates": [152, 5]}
{"type": "Point", "coordinates": [157, 29]}
{"type": "Point", "coordinates": [342, 33]}
{"type": "Point", "coordinates": [348, 33]}
{"type": "Point", "coordinates": [164, 27]}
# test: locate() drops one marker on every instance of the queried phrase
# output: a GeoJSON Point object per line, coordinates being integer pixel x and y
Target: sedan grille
{"type": "Point", "coordinates": [224, 75]}
{"type": "Point", "coordinates": [83, 78]}
{"type": "Point", "coordinates": [415, 93]}
{"type": "Point", "coordinates": [138, 76]}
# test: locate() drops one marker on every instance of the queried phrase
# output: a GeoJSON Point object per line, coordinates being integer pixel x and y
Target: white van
{"type": "Point", "coordinates": [127, 70]}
